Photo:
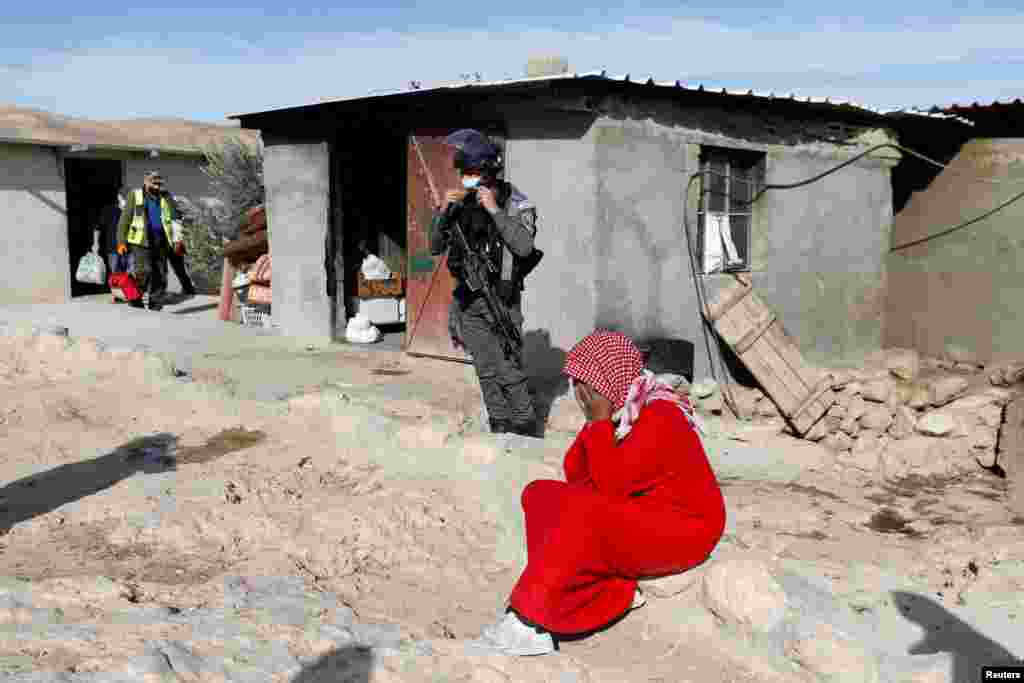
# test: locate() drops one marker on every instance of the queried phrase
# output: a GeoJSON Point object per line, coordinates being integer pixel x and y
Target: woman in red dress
{"type": "Point", "coordinates": [640, 500]}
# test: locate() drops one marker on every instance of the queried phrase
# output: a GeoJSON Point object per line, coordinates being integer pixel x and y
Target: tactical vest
{"type": "Point", "coordinates": [482, 235]}
{"type": "Point", "coordinates": [137, 229]}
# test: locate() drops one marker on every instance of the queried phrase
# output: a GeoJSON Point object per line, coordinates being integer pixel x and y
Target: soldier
{"type": "Point", "coordinates": [499, 224]}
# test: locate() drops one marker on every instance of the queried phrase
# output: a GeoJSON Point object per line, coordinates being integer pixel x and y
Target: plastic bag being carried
{"type": "Point", "coordinates": [361, 331]}
{"type": "Point", "coordinates": [91, 269]}
{"type": "Point", "coordinates": [375, 269]}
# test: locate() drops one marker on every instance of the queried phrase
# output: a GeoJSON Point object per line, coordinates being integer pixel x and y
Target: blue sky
{"type": "Point", "coordinates": [223, 57]}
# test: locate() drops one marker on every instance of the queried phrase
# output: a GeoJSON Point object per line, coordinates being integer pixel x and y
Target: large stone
{"type": "Point", "coordinates": [744, 594]}
{"type": "Point", "coordinates": [926, 456]}
{"type": "Point", "coordinates": [841, 378]}
{"type": "Point", "coordinates": [818, 431]}
{"type": "Point", "coordinates": [878, 390]}
{"type": "Point", "coordinates": [1006, 374]}
{"type": "Point", "coordinates": [838, 442]}
{"type": "Point", "coordinates": [704, 388]}
{"type": "Point", "coordinates": [982, 437]}
{"type": "Point", "coordinates": [946, 390]}
{"type": "Point", "coordinates": [904, 363]}
{"type": "Point", "coordinates": [877, 418]}
{"type": "Point", "coordinates": [857, 408]}
{"type": "Point", "coordinates": [903, 424]}
{"type": "Point", "coordinates": [937, 423]}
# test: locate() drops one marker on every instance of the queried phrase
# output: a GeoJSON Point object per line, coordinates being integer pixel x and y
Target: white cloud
{"type": "Point", "coordinates": [917, 63]}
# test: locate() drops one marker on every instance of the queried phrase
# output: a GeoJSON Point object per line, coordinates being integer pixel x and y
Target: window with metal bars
{"type": "Point", "coordinates": [731, 179]}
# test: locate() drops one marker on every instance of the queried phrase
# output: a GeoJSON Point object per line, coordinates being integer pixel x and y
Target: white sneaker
{"type": "Point", "coordinates": [639, 600]}
{"type": "Point", "coordinates": [511, 636]}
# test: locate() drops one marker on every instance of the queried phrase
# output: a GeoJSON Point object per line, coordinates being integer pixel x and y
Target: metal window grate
{"type": "Point", "coordinates": [731, 181]}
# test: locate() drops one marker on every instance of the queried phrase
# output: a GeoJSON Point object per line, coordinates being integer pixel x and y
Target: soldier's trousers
{"type": "Point", "coordinates": [503, 382]}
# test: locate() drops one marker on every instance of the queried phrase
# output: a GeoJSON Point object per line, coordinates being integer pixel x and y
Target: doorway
{"type": "Point", "coordinates": [91, 186]}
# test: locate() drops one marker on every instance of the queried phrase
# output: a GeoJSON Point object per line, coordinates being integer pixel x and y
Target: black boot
{"type": "Point", "coordinates": [499, 427]}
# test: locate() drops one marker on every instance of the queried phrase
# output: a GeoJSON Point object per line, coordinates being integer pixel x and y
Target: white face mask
{"type": "Point", "coordinates": [470, 182]}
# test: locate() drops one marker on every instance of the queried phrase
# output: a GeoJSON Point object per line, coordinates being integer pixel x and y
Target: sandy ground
{"type": "Point", "coordinates": [163, 527]}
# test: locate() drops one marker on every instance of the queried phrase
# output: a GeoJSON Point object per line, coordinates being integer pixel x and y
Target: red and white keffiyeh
{"type": "Point", "coordinates": [612, 364]}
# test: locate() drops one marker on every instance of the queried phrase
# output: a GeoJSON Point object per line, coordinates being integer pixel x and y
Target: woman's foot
{"type": "Point", "coordinates": [511, 636]}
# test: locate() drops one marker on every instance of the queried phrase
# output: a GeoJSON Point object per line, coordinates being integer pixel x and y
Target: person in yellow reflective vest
{"type": "Point", "coordinates": [149, 226]}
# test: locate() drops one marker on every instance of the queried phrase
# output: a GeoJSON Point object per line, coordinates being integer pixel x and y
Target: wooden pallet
{"type": "Point", "coordinates": [802, 392]}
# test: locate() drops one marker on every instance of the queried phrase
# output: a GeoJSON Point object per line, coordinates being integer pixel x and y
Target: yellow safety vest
{"type": "Point", "coordinates": [137, 230]}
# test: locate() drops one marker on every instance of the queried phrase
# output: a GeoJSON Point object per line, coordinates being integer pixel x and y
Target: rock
{"type": "Point", "coordinates": [946, 389]}
{"type": "Point", "coordinates": [838, 410]}
{"type": "Point", "coordinates": [982, 438]}
{"type": "Point", "coordinates": [877, 418]}
{"type": "Point", "coordinates": [904, 363]}
{"type": "Point", "coordinates": [671, 586]}
{"type": "Point", "coordinates": [920, 397]}
{"type": "Point", "coordinates": [1001, 397]}
{"type": "Point", "coordinates": [878, 390]}
{"type": "Point", "coordinates": [841, 378]}
{"type": "Point", "coordinates": [965, 367]}
{"type": "Point", "coordinates": [834, 658]}
{"type": "Point", "coordinates": [818, 431]}
{"type": "Point", "coordinates": [849, 425]}
{"type": "Point", "coordinates": [838, 442]}
{"type": "Point", "coordinates": [987, 457]}
{"type": "Point", "coordinates": [960, 354]}
{"type": "Point", "coordinates": [854, 388]}
{"type": "Point", "coordinates": [991, 416]}
{"type": "Point", "coordinates": [857, 408]}
{"type": "Point", "coordinates": [743, 593]}
{"type": "Point", "coordinates": [1006, 374]}
{"type": "Point", "coordinates": [926, 456]}
{"type": "Point", "coordinates": [944, 364]}
{"type": "Point", "coordinates": [704, 388]}
{"type": "Point", "coordinates": [904, 422]}
{"type": "Point", "coordinates": [766, 408]}
{"type": "Point", "coordinates": [937, 423]}
{"type": "Point", "coordinates": [712, 404]}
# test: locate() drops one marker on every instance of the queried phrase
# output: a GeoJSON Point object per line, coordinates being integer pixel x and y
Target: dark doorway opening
{"type": "Point", "coordinates": [91, 186]}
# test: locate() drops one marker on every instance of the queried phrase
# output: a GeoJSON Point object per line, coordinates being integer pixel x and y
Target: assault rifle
{"type": "Point", "coordinates": [477, 269]}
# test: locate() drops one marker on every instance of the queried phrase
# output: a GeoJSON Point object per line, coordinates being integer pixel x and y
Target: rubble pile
{"type": "Point", "coordinates": [900, 414]}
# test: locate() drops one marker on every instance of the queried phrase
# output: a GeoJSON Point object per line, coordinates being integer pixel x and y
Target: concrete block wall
{"type": "Point", "coordinates": [297, 178]}
{"type": "Point", "coordinates": [34, 266]}
{"type": "Point", "coordinates": [611, 223]}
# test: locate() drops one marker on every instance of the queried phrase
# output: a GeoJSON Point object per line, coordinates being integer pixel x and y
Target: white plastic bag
{"type": "Point", "coordinates": [375, 269]}
{"type": "Point", "coordinates": [91, 269]}
{"type": "Point", "coordinates": [360, 331]}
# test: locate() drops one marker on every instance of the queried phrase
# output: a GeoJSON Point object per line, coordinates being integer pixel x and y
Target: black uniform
{"type": "Point", "coordinates": [505, 238]}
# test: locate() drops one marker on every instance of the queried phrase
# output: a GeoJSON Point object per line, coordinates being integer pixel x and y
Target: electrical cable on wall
{"type": "Point", "coordinates": [699, 282]}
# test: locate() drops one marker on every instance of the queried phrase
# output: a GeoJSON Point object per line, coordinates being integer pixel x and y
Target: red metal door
{"type": "Point", "coordinates": [429, 287]}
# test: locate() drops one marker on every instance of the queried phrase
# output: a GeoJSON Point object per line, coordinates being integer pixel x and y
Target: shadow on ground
{"type": "Point", "coordinates": [38, 494]}
{"type": "Point", "coordinates": [352, 664]}
{"type": "Point", "coordinates": [543, 363]}
{"type": "Point", "coordinates": [944, 632]}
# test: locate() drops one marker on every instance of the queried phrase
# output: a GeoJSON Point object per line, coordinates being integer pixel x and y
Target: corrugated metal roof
{"type": "Point", "coordinates": [977, 107]}
{"type": "Point", "coordinates": [631, 79]}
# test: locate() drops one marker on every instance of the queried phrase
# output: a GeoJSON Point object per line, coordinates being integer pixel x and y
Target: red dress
{"type": "Point", "coordinates": [648, 506]}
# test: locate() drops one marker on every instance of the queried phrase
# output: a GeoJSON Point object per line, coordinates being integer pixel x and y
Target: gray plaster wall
{"type": "Point", "coordinates": [33, 226]}
{"type": "Point", "coordinates": [297, 178]}
{"type": "Point", "coordinates": [611, 200]}
{"type": "Point", "coordinates": [960, 294]}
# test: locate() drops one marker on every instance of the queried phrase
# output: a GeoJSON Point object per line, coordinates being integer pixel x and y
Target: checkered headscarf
{"type": "Point", "coordinates": [610, 363]}
{"type": "Point", "coordinates": [607, 361]}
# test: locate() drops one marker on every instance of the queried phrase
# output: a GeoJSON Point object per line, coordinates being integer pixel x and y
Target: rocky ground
{"type": "Point", "coordinates": [159, 527]}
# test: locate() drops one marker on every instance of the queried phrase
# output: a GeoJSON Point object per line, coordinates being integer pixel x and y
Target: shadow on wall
{"type": "Point", "coordinates": [544, 363]}
{"type": "Point", "coordinates": [351, 664]}
{"type": "Point", "coordinates": [38, 494]}
{"type": "Point", "coordinates": [946, 633]}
